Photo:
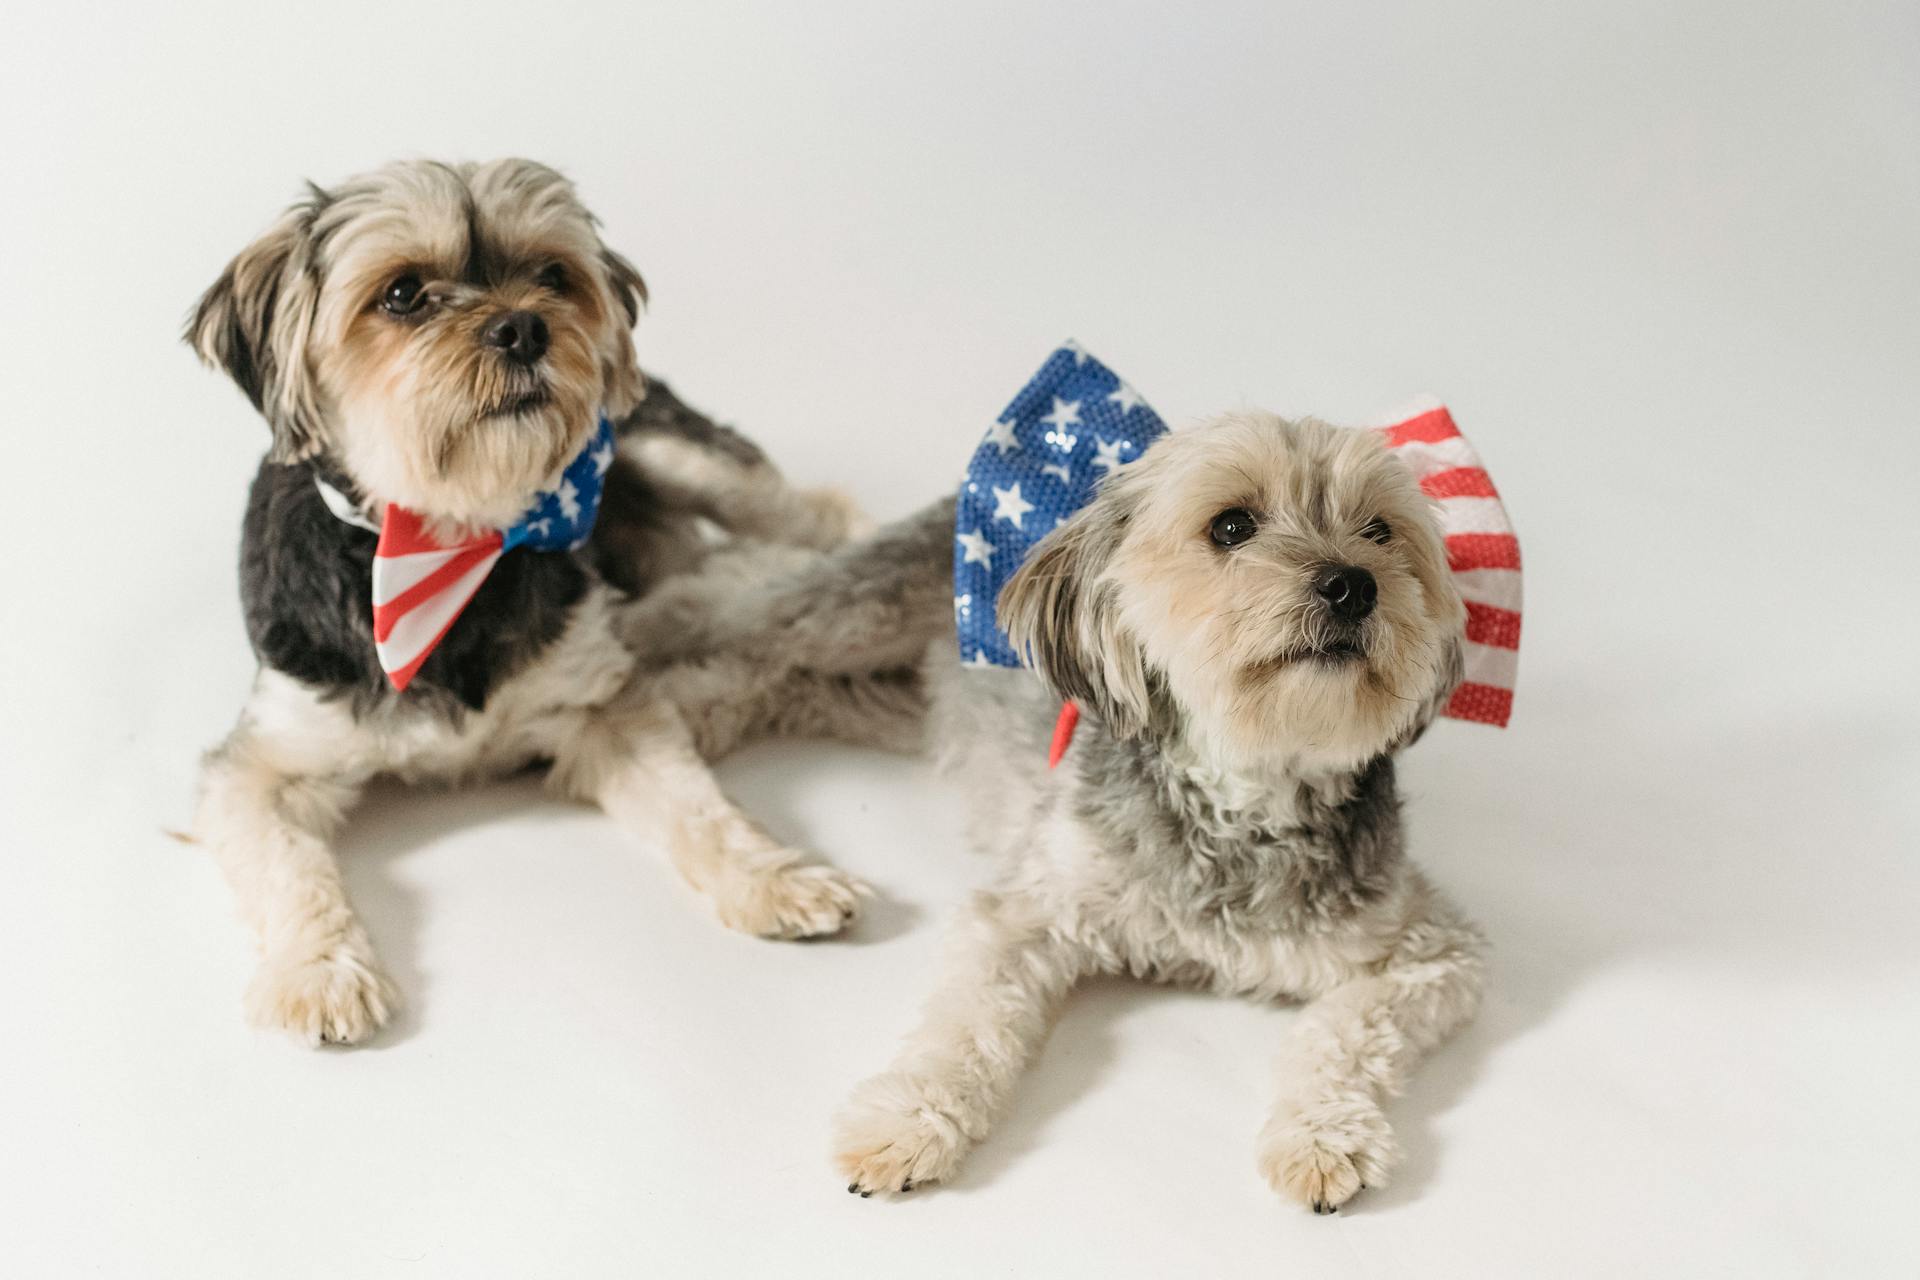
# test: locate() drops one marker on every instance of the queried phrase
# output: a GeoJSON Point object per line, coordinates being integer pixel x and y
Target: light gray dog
{"type": "Point", "coordinates": [1254, 617]}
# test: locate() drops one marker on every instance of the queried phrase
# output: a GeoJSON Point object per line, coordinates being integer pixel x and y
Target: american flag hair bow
{"type": "Point", "coordinates": [1482, 550]}
{"type": "Point", "coordinates": [1077, 421]}
{"type": "Point", "coordinates": [421, 583]}
{"type": "Point", "coordinates": [1072, 424]}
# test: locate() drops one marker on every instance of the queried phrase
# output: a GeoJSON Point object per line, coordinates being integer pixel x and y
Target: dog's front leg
{"type": "Point", "coordinates": [1005, 979]}
{"type": "Point", "coordinates": [1327, 1137]}
{"type": "Point", "coordinates": [269, 827]}
{"type": "Point", "coordinates": [638, 760]}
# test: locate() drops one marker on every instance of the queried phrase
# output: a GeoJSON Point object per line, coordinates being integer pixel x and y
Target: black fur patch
{"type": "Point", "coordinates": [306, 585]}
{"type": "Point", "coordinates": [306, 578]}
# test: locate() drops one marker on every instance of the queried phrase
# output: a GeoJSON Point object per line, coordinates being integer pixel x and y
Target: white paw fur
{"type": "Point", "coordinates": [790, 899]}
{"type": "Point", "coordinates": [338, 996]}
{"type": "Point", "coordinates": [836, 517]}
{"type": "Point", "coordinates": [1324, 1154]}
{"type": "Point", "coordinates": [896, 1133]}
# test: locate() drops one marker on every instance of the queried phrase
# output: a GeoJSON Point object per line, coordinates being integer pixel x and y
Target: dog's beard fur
{"type": "Point", "coordinates": [1133, 609]}
{"type": "Point", "coordinates": [418, 409]}
{"type": "Point", "coordinates": [429, 417]}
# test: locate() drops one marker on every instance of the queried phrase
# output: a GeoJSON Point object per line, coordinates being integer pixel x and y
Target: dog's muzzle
{"type": "Point", "coordinates": [1348, 591]}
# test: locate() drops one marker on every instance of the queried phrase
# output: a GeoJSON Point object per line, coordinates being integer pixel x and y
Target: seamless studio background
{"type": "Point", "coordinates": [1659, 259]}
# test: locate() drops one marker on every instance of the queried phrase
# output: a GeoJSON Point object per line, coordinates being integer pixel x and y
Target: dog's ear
{"type": "Point", "coordinates": [1447, 677]}
{"type": "Point", "coordinates": [1418, 535]}
{"type": "Point", "coordinates": [1062, 616]}
{"type": "Point", "coordinates": [628, 288]}
{"type": "Point", "coordinates": [254, 323]}
{"type": "Point", "coordinates": [620, 370]}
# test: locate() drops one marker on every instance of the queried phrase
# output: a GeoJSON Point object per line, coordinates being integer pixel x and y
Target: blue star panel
{"type": "Point", "coordinates": [561, 518]}
{"type": "Point", "coordinates": [1074, 424]}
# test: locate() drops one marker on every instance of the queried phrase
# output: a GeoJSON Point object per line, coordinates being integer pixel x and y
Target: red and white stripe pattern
{"type": "Point", "coordinates": [420, 585]}
{"type": "Point", "coordinates": [1481, 548]}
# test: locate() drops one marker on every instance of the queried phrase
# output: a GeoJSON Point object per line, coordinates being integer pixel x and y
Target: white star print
{"type": "Point", "coordinates": [979, 550]}
{"type": "Point", "coordinates": [602, 458]}
{"type": "Point", "coordinates": [1009, 505]}
{"type": "Point", "coordinates": [569, 500]}
{"type": "Point", "coordinates": [979, 661]}
{"type": "Point", "coordinates": [1107, 455]}
{"type": "Point", "coordinates": [1066, 413]}
{"type": "Point", "coordinates": [1066, 476]}
{"type": "Point", "coordinates": [1127, 398]}
{"type": "Point", "coordinates": [1079, 353]}
{"type": "Point", "coordinates": [962, 603]}
{"type": "Point", "coordinates": [539, 526]}
{"type": "Point", "coordinates": [1001, 433]}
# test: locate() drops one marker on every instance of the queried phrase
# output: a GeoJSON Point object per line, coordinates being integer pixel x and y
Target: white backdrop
{"type": "Point", "coordinates": [1661, 260]}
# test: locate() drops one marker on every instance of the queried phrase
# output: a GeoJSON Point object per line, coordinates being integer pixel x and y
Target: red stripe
{"type": "Point", "coordinates": [1492, 626]}
{"type": "Point", "coordinates": [1063, 732]}
{"type": "Point", "coordinates": [403, 533]}
{"type": "Point", "coordinates": [386, 616]}
{"type": "Point", "coordinates": [1426, 428]}
{"type": "Point", "coordinates": [401, 678]}
{"type": "Point", "coordinates": [1459, 482]}
{"type": "Point", "coordinates": [1481, 703]}
{"type": "Point", "coordinates": [1482, 551]}
{"type": "Point", "coordinates": [404, 676]}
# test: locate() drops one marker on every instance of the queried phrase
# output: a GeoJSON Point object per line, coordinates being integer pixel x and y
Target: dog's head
{"type": "Point", "coordinates": [1276, 591]}
{"type": "Point", "coordinates": [445, 334]}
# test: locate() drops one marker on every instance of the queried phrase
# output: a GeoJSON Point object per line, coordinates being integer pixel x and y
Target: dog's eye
{"type": "Point", "coordinates": [554, 279]}
{"type": "Point", "coordinates": [404, 295]}
{"type": "Point", "coordinates": [1233, 527]}
{"type": "Point", "coordinates": [1378, 530]}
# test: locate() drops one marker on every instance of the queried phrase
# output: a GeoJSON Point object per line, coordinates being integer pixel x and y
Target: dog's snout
{"type": "Point", "coordinates": [521, 335]}
{"type": "Point", "coordinates": [1350, 591]}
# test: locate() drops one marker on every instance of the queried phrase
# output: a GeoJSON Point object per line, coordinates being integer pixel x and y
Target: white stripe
{"type": "Point", "coordinates": [342, 507]}
{"type": "Point", "coordinates": [418, 627]}
{"type": "Point", "coordinates": [1473, 515]}
{"type": "Point", "coordinates": [1487, 664]}
{"type": "Point", "coordinates": [394, 575]}
{"type": "Point", "coordinates": [1497, 587]}
{"type": "Point", "coordinates": [1440, 455]}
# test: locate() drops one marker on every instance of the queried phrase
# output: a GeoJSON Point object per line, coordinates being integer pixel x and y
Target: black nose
{"type": "Point", "coordinates": [522, 335]}
{"type": "Point", "coordinates": [1348, 590]}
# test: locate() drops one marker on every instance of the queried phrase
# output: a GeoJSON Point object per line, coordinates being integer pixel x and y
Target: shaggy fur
{"type": "Point", "coordinates": [364, 326]}
{"type": "Point", "coordinates": [1226, 815]}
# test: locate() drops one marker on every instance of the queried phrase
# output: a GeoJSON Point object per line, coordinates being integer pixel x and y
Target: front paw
{"type": "Point", "coordinates": [790, 899]}
{"type": "Point", "coordinates": [1324, 1154]}
{"type": "Point", "coordinates": [896, 1133]}
{"type": "Point", "coordinates": [336, 997]}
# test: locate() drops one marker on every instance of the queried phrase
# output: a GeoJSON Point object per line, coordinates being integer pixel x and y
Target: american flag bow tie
{"type": "Point", "coordinates": [421, 583]}
{"type": "Point", "coordinates": [1077, 422]}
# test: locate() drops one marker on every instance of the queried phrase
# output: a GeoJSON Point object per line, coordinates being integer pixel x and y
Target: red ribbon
{"type": "Point", "coordinates": [1063, 732]}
